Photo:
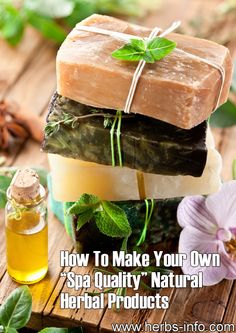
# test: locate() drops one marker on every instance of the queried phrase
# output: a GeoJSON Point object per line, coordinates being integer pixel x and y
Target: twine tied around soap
{"type": "Point", "coordinates": [140, 67]}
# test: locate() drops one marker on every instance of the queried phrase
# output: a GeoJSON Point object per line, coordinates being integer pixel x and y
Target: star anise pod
{"type": "Point", "coordinates": [10, 126]}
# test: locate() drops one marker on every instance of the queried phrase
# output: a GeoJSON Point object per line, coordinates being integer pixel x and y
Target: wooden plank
{"type": "Point", "coordinates": [123, 316]}
{"type": "Point", "coordinates": [37, 84]}
{"type": "Point", "coordinates": [230, 313]}
{"type": "Point", "coordinates": [157, 316]}
{"type": "Point", "coordinates": [34, 88]}
{"type": "Point", "coordinates": [206, 305]}
{"type": "Point", "coordinates": [31, 156]}
{"type": "Point", "coordinates": [14, 60]}
{"type": "Point", "coordinates": [54, 315]}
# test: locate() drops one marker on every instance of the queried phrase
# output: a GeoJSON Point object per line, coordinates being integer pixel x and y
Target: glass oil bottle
{"type": "Point", "coordinates": [26, 228]}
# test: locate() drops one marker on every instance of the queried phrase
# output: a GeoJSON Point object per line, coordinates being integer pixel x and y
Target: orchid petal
{"type": "Point", "coordinates": [223, 205]}
{"type": "Point", "coordinates": [192, 211]}
{"type": "Point", "coordinates": [192, 239]}
{"type": "Point", "coordinates": [231, 265]}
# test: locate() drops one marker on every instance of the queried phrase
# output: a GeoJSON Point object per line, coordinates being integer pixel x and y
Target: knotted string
{"type": "Point", "coordinates": [138, 72]}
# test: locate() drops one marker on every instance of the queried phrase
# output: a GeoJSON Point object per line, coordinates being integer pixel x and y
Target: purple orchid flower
{"type": "Point", "coordinates": [209, 226]}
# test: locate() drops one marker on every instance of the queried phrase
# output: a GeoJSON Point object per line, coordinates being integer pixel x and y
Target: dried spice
{"type": "Point", "coordinates": [18, 124]}
{"type": "Point", "coordinates": [10, 126]}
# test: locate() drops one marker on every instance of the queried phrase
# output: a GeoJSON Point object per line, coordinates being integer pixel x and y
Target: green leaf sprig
{"type": "Point", "coordinates": [110, 120]}
{"type": "Point", "coordinates": [148, 217]}
{"type": "Point", "coordinates": [117, 130]}
{"type": "Point", "coordinates": [53, 127]}
{"type": "Point", "coordinates": [143, 49]}
{"type": "Point", "coordinates": [16, 310]}
{"type": "Point", "coordinates": [110, 219]}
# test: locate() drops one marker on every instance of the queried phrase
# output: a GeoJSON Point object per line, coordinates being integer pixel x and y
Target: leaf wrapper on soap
{"type": "Point", "coordinates": [178, 89]}
{"type": "Point", "coordinates": [147, 144]}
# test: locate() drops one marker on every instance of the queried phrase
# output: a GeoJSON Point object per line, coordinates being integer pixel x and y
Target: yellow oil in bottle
{"type": "Point", "coordinates": [27, 246]}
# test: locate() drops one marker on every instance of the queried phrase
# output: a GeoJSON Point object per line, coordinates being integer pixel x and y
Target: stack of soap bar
{"type": "Point", "coordinates": [163, 150]}
{"type": "Point", "coordinates": [148, 145]}
{"type": "Point", "coordinates": [166, 148]}
{"type": "Point", "coordinates": [179, 89]}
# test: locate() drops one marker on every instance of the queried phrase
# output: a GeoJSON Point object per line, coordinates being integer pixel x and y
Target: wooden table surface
{"type": "Point", "coordinates": [27, 75]}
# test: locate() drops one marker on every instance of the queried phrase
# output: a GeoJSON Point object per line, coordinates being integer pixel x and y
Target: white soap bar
{"type": "Point", "coordinates": [71, 178]}
{"type": "Point", "coordinates": [158, 186]}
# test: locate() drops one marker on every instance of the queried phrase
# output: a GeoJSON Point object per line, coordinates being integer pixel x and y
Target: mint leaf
{"type": "Point", "coordinates": [107, 226]}
{"type": "Point", "coordinates": [10, 330]}
{"type": "Point", "coordinates": [85, 209]}
{"type": "Point", "coordinates": [51, 8]}
{"type": "Point", "coordinates": [4, 184]}
{"type": "Point", "coordinates": [112, 221]}
{"type": "Point", "coordinates": [84, 218]}
{"type": "Point", "coordinates": [160, 47]}
{"type": "Point", "coordinates": [149, 51]}
{"type": "Point", "coordinates": [224, 116]}
{"type": "Point", "coordinates": [129, 53]}
{"type": "Point", "coordinates": [46, 26]}
{"type": "Point", "coordinates": [82, 9]}
{"type": "Point", "coordinates": [86, 202]}
{"type": "Point", "coordinates": [148, 57]}
{"type": "Point", "coordinates": [11, 24]}
{"type": "Point", "coordinates": [138, 44]}
{"type": "Point", "coordinates": [16, 310]}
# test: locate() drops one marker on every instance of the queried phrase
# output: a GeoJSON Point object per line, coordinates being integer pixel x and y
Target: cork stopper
{"type": "Point", "coordinates": [25, 185]}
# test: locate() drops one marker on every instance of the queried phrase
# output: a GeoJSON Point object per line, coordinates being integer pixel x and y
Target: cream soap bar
{"type": "Point", "coordinates": [178, 89]}
{"type": "Point", "coordinates": [71, 178]}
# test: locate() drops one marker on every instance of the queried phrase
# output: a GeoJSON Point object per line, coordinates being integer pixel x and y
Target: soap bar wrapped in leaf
{"type": "Point", "coordinates": [147, 144]}
{"type": "Point", "coordinates": [178, 89]}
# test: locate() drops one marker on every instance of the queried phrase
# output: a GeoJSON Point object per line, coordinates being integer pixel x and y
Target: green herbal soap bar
{"type": "Point", "coordinates": [163, 227]}
{"type": "Point", "coordinates": [149, 145]}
